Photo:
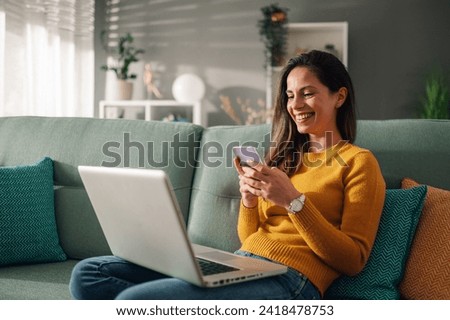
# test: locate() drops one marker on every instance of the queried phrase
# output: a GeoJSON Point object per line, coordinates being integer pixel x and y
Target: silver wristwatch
{"type": "Point", "coordinates": [297, 204]}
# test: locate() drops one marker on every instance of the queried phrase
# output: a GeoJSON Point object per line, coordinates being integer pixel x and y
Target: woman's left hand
{"type": "Point", "coordinates": [270, 183]}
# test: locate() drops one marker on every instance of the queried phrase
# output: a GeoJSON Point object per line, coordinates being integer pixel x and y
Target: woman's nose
{"type": "Point", "coordinates": [298, 103]}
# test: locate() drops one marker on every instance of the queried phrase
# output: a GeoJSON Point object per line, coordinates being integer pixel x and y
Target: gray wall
{"type": "Point", "coordinates": [393, 44]}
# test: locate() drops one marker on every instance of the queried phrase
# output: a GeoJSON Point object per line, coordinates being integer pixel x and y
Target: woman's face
{"type": "Point", "coordinates": [312, 106]}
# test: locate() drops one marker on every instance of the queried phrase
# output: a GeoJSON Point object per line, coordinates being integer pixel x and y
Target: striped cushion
{"type": "Point", "coordinates": [27, 217]}
{"type": "Point", "coordinates": [427, 273]}
{"type": "Point", "coordinates": [384, 270]}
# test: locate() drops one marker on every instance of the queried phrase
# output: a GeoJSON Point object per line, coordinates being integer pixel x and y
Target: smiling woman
{"type": "Point", "coordinates": [315, 97]}
{"type": "Point", "coordinates": [315, 204]}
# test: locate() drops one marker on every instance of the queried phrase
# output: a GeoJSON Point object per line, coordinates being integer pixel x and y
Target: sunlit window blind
{"type": "Point", "coordinates": [47, 57]}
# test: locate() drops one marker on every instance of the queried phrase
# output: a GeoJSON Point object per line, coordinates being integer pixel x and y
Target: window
{"type": "Point", "coordinates": [46, 57]}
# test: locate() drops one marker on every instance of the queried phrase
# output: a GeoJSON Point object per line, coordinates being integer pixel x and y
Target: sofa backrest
{"type": "Point", "coordinates": [215, 191]}
{"type": "Point", "coordinates": [414, 148]}
{"type": "Point", "coordinates": [71, 142]}
{"type": "Point", "coordinates": [419, 149]}
{"type": "Point", "coordinates": [209, 194]}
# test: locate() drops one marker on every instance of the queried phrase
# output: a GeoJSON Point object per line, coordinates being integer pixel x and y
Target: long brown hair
{"type": "Point", "coordinates": [287, 143]}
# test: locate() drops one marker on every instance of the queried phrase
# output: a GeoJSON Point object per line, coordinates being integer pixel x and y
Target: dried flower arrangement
{"type": "Point", "coordinates": [245, 113]}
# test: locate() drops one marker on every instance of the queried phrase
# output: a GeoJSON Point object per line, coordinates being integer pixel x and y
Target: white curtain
{"type": "Point", "coordinates": [47, 57]}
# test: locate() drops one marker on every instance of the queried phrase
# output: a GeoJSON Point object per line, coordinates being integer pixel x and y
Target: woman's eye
{"type": "Point", "coordinates": [307, 94]}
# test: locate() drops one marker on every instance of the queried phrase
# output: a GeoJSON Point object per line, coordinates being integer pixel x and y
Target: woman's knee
{"type": "Point", "coordinates": [85, 276]}
{"type": "Point", "coordinates": [89, 267]}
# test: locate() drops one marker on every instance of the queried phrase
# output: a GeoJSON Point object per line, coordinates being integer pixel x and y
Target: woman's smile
{"type": "Point", "coordinates": [301, 117]}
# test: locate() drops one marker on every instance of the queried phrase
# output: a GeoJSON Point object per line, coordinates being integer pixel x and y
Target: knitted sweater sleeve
{"type": "Point", "coordinates": [248, 221]}
{"type": "Point", "coordinates": [347, 248]}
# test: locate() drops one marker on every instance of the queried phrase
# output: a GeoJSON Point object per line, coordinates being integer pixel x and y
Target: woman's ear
{"type": "Point", "coordinates": [342, 95]}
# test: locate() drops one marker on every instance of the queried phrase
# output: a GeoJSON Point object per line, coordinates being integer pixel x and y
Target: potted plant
{"type": "Point", "coordinates": [436, 101]}
{"type": "Point", "coordinates": [124, 54]}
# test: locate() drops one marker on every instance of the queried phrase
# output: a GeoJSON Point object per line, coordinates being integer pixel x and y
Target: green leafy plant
{"type": "Point", "coordinates": [273, 32]}
{"type": "Point", "coordinates": [436, 101]}
{"type": "Point", "coordinates": [124, 53]}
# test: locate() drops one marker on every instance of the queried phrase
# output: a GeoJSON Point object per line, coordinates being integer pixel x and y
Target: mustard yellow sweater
{"type": "Point", "coordinates": [334, 232]}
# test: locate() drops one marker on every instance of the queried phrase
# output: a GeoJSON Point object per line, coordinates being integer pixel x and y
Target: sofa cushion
{"type": "Point", "coordinates": [44, 281]}
{"type": "Point", "coordinates": [427, 272]}
{"type": "Point", "coordinates": [384, 270]}
{"type": "Point", "coordinates": [27, 217]}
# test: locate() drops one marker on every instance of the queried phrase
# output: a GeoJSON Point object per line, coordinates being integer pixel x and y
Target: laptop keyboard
{"type": "Point", "coordinates": [210, 267]}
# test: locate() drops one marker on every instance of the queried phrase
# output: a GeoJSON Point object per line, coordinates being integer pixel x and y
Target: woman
{"type": "Point", "coordinates": [314, 206]}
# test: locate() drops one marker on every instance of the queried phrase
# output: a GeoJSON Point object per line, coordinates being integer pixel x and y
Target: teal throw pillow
{"type": "Point", "coordinates": [384, 270]}
{"type": "Point", "coordinates": [27, 216]}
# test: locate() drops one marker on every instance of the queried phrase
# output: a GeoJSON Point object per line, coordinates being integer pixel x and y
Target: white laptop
{"type": "Point", "coordinates": [142, 222]}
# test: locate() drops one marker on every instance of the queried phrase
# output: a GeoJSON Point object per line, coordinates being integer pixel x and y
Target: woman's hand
{"type": "Point", "coordinates": [249, 199]}
{"type": "Point", "coordinates": [267, 182]}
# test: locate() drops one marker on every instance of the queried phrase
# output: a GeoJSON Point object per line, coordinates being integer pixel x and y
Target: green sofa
{"type": "Point", "coordinates": [199, 163]}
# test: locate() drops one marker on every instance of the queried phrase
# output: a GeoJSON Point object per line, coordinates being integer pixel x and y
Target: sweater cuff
{"type": "Point", "coordinates": [307, 217]}
{"type": "Point", "coordinates": [248, 211]}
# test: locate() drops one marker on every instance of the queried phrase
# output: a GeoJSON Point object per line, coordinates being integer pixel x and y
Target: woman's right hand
{"type": "Point", "coordinates": [248, 199]}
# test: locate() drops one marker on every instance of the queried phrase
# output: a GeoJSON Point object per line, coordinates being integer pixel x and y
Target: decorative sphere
{"type": "Point", "coordinates": [188, 88]}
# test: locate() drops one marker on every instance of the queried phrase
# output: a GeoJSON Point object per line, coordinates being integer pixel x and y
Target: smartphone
{"type": "Point", "coordinates": [246, 155]}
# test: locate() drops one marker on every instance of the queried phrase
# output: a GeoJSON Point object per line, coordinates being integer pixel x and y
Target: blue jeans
{"type": "Point", "coordinates": [110, 277]}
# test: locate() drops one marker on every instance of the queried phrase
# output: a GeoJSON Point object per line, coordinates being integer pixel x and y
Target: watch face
{"type": "Point", "coordinates": [296, 205]}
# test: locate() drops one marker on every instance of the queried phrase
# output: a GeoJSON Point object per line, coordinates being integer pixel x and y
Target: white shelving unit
{"type": "Point", "coordinates": [153, 109]}
{"type": "Point", "coordinates": [308, 36]}
{"type": "Point", "coordinates": [316, 35]}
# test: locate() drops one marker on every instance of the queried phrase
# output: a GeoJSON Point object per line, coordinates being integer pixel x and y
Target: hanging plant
{"type": "Point", "coordinates": [273, 32]}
